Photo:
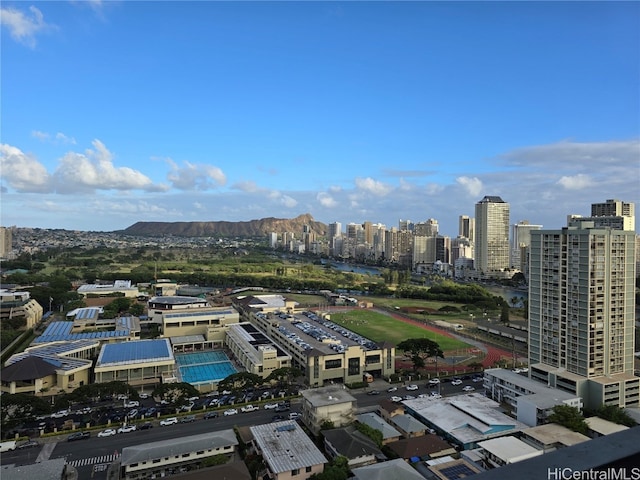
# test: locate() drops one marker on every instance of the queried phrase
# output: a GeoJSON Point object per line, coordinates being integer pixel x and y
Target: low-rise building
{"type": "Point", "coordinates": [326, 352]}
{"type": "Point", "coordinates": [448, 468]}
{"type": "Point", "coordinates": [333, 405]}
{"type": "Point", "coordinates": [393, 469]}
{"type": "Point", "coordinates": [599, 427]}
{"type": "Point", "coordinates": [17, 304]}
{"type": "Point", "coordinates": [531, 400]}
{"type": "Point", "coordinates": [159, 459]}
{"type": "Point", "coordinates": [464, 420]}
{"type": "Point", "coordinates": [287, 451]}
{"type": "Point", "coordinates": [408, 426]}
{"type": "Point", "coordinates": [498, 452]}
{"type": "Point", "coordinates": [430, 446]}
{"type": "Point", "coordinates": [256, 352]}
{"type": "Point", "coordinates": [138, 363]}
{"type": "Point", "coordinates": [122, 287]}
{"type": "Point", "coordinates": [355, 446]}
{"type": "Point", "coordinates": [54, 367]}
{"type": "Point", "coordinates": [111, 331]}
{"type": "Point", "coordinates": [157, 306]}
{"type": "Point", "coordinates": [551, 437]}
{"type": "Point", "coordinates": [375, 421]}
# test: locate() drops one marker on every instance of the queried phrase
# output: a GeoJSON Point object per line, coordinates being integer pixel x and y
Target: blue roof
{"type": "Point", "coordinates": [61, 331]}
{"type": "Point", "coordinates": [135, 352]}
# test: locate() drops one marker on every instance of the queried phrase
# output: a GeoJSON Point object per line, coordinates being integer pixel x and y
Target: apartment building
{"type": "Point", "coordinates": [329, 404]}
{"type": "Point", "coordinates": [491, 235]}
{"type": "Point", "coordinates": [582, 311]}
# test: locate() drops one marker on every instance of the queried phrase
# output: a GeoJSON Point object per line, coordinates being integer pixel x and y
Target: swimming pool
{"type": "Point", "coordinates": [203, 367]}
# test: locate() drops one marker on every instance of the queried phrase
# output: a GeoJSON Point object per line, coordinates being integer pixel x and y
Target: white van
{"type": "Point", "coordinates": [294, 416]}
{"type": "Point", "coordinates": [7, 446]}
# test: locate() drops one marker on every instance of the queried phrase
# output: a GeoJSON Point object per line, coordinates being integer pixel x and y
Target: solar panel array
{"type": "Point", "coordinates": [61, 331]}
{"type": "Point", "coordinates": [135, 352]}
{"type": "Point", "coordinates": [457, 472]}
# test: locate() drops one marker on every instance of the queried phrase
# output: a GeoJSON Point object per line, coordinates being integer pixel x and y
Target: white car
{"type": "Point", "coordinates": [411, 387]}
{"type": "Point", "coordinates": [168, 421]}
{"type": "Point", "coordinates": [434, 381]}
{"type": "Point", "coordinates": [455, 383]}
{"type": "Point", "coordinates": [60, 414]}
{"type": "Point", "coordinates": [127, 429]}
{"type": "Point", "coordinates": [435, 395]}
{"type": "Point", "coordinates": [396, 399]}
{"type": "Point", "coordinates": [249, 408]}
{"type": "Point", "coordinates": [131, 404]}
{"type": "Point", "coordinates": [109, 432]}
{"type": "Point", "coordinates": [270, 406]}
{"type": "Point", "coordinates": [468, 388]}
{"type": "Point", "coordinates": [392, 389]}
{"type": "Point", "coordinates": [408, 397]}
{"type": "Point", "coordinates": [231, 411]}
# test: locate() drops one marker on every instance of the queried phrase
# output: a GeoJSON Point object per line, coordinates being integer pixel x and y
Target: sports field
{"type": "Point", "coordinates": [380, 327]}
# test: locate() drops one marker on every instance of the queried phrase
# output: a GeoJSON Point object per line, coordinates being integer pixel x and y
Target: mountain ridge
{"type": "Point", "coordinates": [251, 228]}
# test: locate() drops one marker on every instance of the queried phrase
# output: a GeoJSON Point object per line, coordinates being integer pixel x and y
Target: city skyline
{"type": "Point", "coordinates": [349, 111]}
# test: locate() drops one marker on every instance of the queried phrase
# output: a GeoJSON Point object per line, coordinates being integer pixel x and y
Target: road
{"type": "Point", "coordinates": [92, 456]}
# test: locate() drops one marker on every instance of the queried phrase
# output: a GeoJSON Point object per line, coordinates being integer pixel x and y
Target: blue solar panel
{"type": "Point", "coordinates": [135, 351]}
{"type": "Point", "coordinates": [457, 472]}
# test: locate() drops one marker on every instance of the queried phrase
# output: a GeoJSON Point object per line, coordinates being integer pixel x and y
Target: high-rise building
{"type": "Point", "coordinates": [520, 241]}
{"type": "Point", "coordinates": [492, 235]}
{"type": "Point", "coordinates": [466, 227]}
{"type": "Point", "coordinates": [582, 312]}
{"type": "Point", "coordinates": [6, 241]}
{"type": "Point", "coordinates": [427, 229]}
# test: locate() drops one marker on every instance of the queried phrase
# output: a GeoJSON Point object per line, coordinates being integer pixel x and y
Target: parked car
{"type": "Point", "coordinates": [231, 411]}
{"type": "Point", "coordinates": [435, 395]}
{"type": "Point", "coordinates": [188, 419]}
{"type": "Point", "coordinates": [392, 389]}
{"type": "Point", "coordinates": [373, 392]}
{"type": "Point", "coordinates": [468, 388]}
{"type": "Point", "coordinates": [168, 421]}
{"type": "Point", "coordinates": [277, 418]}
{"type": "Point", "coordinates": [456, 382]}
{"type": "Point", "coordinates": [107, 433]}
{"type": "Point", "coordinates": [131, 404]}
{"type": "Point", "coordinates": [396, 399]}
{"type": "Point", "coordinates": [28, 444]}
{"type": "Point", "coordinates": [249, 408]}
{"type": "Point", "coordinates": [145, 426]}
{"type": "Point", "coordinates": [60, 414]}
{"type": "Point", "coordinates": [209, 415]}
{"type": "Point", "coordinates": [270, 406]}
{"type": "Point", "coordinates": [294, 416]}
{"type": "Point", "coordinates": [411, 387]}
{"type": "Point", "coordinates": [144, 395]}
{"type": "Point", "coordinates": [78, 436]}
{"type": "Point", "coordinates": [434, 381]}
{"type": "Point", "coordinates": [133, 413]}
{"type": "Point", "coordinates": [127, 429]}
{"type": "Point", "coordinates": [282, 408]}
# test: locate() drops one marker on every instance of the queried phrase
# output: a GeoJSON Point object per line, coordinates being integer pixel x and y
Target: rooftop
{"type": "Point", "coordinates": [285, 446]}
{"type": "Point", "coordinates": [177, 300]}
{"type": "Point", "coordinates": [177, 446]}
{"type": "Point", "coordinates": [468, 418]}
{"type": "Point", "coordinates": [510, 449]}
{"type": "Point", "coordinates": [396, 469]}
{"type": "Point", "coordinates": [61, 331]}
{"type": "Point", "coordinates": [377, 422]}
{"type": "Point", "coordinates": [135, 352]}
{"type": "Point", "coordinates": [604, 427]}
{"type": "Point", "coordinates": [321, 397]}
{"type": "Point", "coordinates": [552, 434]}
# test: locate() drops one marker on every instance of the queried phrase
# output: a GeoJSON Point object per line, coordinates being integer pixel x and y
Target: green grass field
{"type": "Point", "coordinates": [380, 327]}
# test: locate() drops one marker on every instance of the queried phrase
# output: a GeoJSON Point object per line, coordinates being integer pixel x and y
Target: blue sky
{"type": "Point", "coordinates": [118, 112]}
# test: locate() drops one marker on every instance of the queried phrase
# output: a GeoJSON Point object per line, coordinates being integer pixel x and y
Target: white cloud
{"type": "Point", "coordinates": [326, 200]}
{"type": "Point", "coordinates": [22, 26]}
{"type": "Point", "coordinates": [22, 172]}
{"type": "Point", "coordinates": [246, 186]}
{"type": "Point", "coordinates": [576, 182]}
{"type": "Point", "coordinates": [94, 170]}
{"type": "Point", "coordinates": [57, 139]}
{"type": "Point", "coordinates": [473, 185]}
{"type": "Point", "coordinates": [372, 186]}
{"type": "Point", "coordinates": [195, 176]}
{"type": "Point", "coordinates": [288, 201]}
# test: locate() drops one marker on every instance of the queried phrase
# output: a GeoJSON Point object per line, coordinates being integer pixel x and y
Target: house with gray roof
{"type": "Point", "coordinates": [159, 458]}
{"type": "Point", "coordinates": [408, 426]}
{"type": "Point", "coordinates": [396, 469]}
{"type": "Point", "coordinates": [348, 442]}
{"type": "Point", "coordinates": [375, 421]}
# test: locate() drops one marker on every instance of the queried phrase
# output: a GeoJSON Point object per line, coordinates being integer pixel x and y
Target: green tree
{"type": "Point", "coordinates": [338, 469]}
{"type": "Point", "coordinates": [504, 314]}
{"type": "Point", "coordinates": [18, 408]}
{"type": "Point", "coordinates": [420, 349]}
{"type": "Point", "coordinates": [569, 417]}
{"type": "Point", "coordinates": [240, 380]}
{"type": "Point", "coordinates": [615, 414]}
{"type": "Point", "coordinates": [284, 375]}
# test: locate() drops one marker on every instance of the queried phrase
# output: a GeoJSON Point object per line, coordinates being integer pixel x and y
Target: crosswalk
{"type": "Point", "coordinates": [94, 460]}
